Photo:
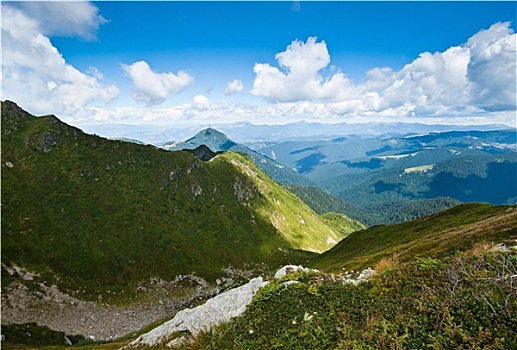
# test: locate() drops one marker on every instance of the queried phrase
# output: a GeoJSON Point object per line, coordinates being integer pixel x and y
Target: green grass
{"type": "Point", "coordinates": [466, 300]}
{"type": "Point", "coordinates": [322, 202]}
{"type": "Point", "coordinates": [342, 224]}
{"type": "Point", "coordinates": [414, 306]}
{"type": "Point", "coordinates": [297, 223]}
{"type": "Point", "coordinates": [438, 235]}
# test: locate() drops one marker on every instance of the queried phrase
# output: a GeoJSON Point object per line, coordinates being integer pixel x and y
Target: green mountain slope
{"type": "Point", "coordinates": [96, 213]}
{"type": "Point", "coordinates": [298, 224]}
{"type": "Point", "coordinates": [436, 236]}
{"type": "Point", "coordinates": [444, 287]}
{"type": "Point", "coordinates": [463, 302]}
{"type": "Point", "coordinates": [342, 223]}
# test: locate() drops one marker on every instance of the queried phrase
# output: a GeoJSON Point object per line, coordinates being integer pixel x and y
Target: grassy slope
{"type": "Point", "coordinates": [464, 301]}
{"type": "Point", "coordinates": [299, 225]}
{"type": "Point", "coordinates": [106, 214]}
{"type": "Point", "coordinates": [461, 302]}
{"type": "Point", "coordinates": [457, 294]}
{"type": "Point", "coordinates": [342, 223]}
{"type": "Point", "coordinates": [437, 235]}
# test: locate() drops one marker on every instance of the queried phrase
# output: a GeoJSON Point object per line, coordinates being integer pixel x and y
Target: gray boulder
{"type": "Point", "coordinates": [367, 273]}
{"type": "Point", "coordinates": [217, 310]}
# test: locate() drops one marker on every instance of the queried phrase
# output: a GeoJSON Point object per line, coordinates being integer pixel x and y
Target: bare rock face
{"type": "Point", "coordinates": [219, 309]}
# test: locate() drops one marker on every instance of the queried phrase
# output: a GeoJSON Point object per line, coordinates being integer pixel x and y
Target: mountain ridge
{"type": "Point", "coordinates": [247, 133]}
{"type": "Point", "coordinates": [91, 207]}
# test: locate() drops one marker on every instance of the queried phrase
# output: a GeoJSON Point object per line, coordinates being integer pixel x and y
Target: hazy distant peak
{"type": "Point", "coordinates": [212, 138]}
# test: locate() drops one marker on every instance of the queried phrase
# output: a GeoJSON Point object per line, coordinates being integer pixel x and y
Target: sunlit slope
{"type": "Point", "coordinates": [298, 224]}
{"type": "Point", "coordinates": [438, 235]}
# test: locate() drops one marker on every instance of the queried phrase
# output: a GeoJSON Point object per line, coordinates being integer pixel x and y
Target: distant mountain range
{"type": "Point", "coordinates": [244, 132]}
{"type": "Point", "coordinates": [358, 154]}
{"type": "Point", "coordinates": [390, 177]}
{"type": "Point", "coordinates": [386, 179]}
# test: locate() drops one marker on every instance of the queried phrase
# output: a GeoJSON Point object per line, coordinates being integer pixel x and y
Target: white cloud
{"type": "Point", "coordinates": [302, 63]}
{"type": "Point", "coordinates": [474, 78]}
{"type": "Point", "coordinates": [72, 18]}
{"type": "Point", "coordinates": [95, 72]}
{"type": "Point", "coordinates": [204, 111]}
{"type": "Point", "coordinates": [153, 88]}
{"type": "Point", "coordinates": [201, 103]}
{"type": "Point", "coordinates": [35, 74]}
{"type": "Point", "coordinates": [493, 67]}
{"type": "Point", "coordinates": [470, 84]}
{"type": "Point", "coordinates": [234, 86]}
{"type": "Point", "coordinates": [438, 79]}
{"type": "Point", "coordinates": [479, 75]}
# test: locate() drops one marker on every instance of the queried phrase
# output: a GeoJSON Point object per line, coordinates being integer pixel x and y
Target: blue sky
{"type": "Point", "coordinates": [265, 62]}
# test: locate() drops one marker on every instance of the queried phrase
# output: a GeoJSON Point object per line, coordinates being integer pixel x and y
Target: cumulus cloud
{"type": "Point", "coordinates": [476, 77]}
{"type": "Point", "coordinates": [36, 75]}
{"type": "Point", "coordinates": [431, 79]}
{"type": "Point", "coordinates": [234, 86]}
{"type": "Point", "coordinates": [77, 18]}
{"type": "Point", "coordinates": [479, 74]}
{"type": "Point", "coordinates": [153, 88]}
{"type": "Point", "coordinates": [301, 78]}
{"type": "Point", "coordinates": [201, 103]}
{"type": "Point", "coordinates": [492, 67]}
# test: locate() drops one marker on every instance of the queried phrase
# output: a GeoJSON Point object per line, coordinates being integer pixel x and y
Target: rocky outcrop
{"type": "Point", "coordinates": [97, 321]}
{"type": "Point", "coordinates": [288, 269]}
{"type": "Point", "coordinates": [222, 308]}
{"type": "Point", "coordinates": [219, 309]}
{"type": "Point", "coordinates": [12, 109]}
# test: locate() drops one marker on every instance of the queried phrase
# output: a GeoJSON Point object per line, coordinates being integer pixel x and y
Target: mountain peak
{"type": "Point", "coordinates": [11, 109]}
{"type": "Point", "coordinates": [213, 139]}
{"type": "Point", "coordinates": [211, 132]}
